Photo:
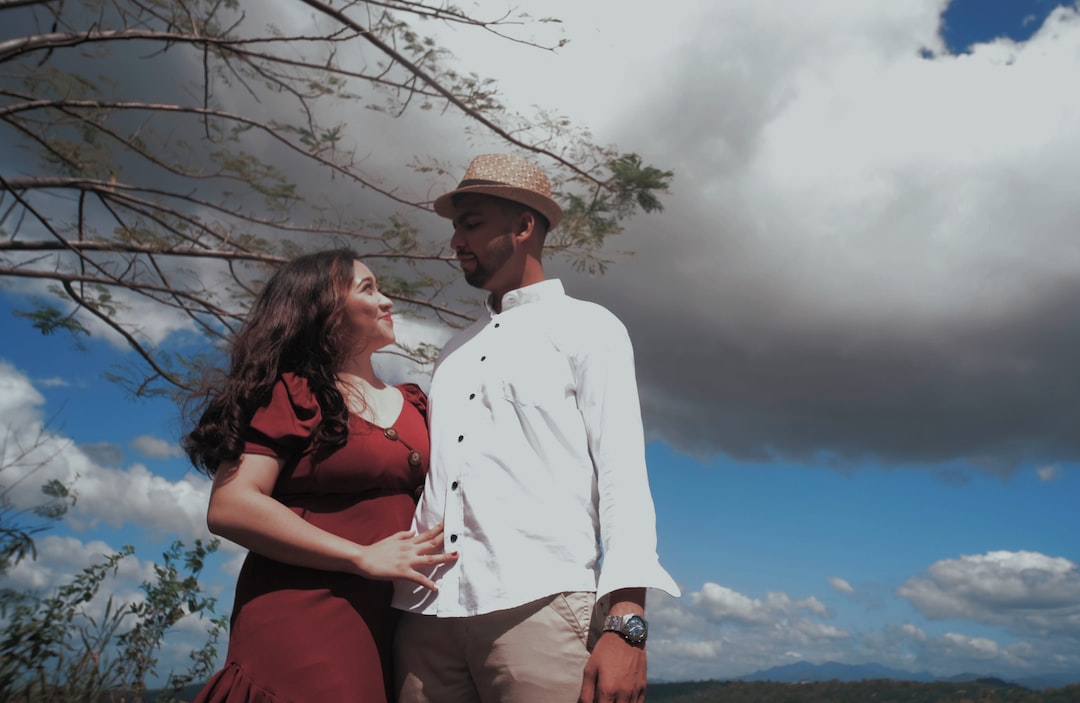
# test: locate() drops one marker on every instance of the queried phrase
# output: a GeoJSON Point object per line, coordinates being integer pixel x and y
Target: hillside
{"type": "Point", "coordinates": [876, 690]}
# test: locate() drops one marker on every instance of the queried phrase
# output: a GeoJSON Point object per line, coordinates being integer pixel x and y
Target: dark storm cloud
{"type": "Point", "coordinates": [993, 395]}
{"type": "Point", "coordinates": [867, 255]}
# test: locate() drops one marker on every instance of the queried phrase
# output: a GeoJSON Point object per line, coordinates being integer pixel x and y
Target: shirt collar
{"type": "Point", "coordinates": [544, 290]}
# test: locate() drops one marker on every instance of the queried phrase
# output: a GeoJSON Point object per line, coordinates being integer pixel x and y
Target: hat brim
{"type": "Point", "coordinates": [444, 204]}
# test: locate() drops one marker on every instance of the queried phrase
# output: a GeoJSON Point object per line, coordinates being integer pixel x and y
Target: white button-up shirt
{"type": "Point", "coordinates": [537, 460]}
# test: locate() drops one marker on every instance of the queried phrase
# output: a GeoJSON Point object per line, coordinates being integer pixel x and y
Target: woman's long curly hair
{"type": "Point", "coordinates": [297, 324]}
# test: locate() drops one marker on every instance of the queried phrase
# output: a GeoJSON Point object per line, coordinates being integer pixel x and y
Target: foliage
{"type": "Point", "coordinates": [22, 457]}
{"type": "Point", "coordinates": [69, 647]}
{"type": "Point", "coordinates": [170, 154]}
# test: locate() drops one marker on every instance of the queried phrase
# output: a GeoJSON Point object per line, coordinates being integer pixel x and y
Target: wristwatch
{"type": "Point", "coordinates": [632, 628]}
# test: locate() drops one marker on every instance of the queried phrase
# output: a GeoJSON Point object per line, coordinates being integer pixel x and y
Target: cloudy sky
{"type": "Point", "coordinates": [855, 327]}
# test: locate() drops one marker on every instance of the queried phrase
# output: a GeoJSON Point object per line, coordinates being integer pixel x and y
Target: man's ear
{"type": "Point", "coordinates": [527, 226]}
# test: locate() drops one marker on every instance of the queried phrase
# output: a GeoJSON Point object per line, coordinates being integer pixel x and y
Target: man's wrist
{"type": "Point", "coordinates": [631, 627]}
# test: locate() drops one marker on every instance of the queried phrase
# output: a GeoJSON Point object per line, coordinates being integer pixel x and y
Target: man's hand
{"type": "Point", "coordinates": [615, 672]}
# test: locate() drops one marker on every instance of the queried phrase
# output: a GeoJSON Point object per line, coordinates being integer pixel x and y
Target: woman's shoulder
{"type": "Point", "coordinates": [296, 388]}
{"type": "Point", "coordinates": [292, 395]}
{"type": "Point", "coordinates": [287, 417]}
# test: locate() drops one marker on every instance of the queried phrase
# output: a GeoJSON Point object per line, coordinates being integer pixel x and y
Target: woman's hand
{"type": "Point", "coordinates": [243, 510]}
{"type": "Point", "coordinates": [399, 555]}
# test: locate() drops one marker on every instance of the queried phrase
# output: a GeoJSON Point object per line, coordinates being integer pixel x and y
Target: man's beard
{"type": "Point", "coordinates": [494, 259]}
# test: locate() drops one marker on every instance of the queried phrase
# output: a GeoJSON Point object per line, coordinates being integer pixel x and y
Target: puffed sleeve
{"type": "Point", "coordinates": [416, 397]}
{"type": "Point", "coordinates": [284, 425]}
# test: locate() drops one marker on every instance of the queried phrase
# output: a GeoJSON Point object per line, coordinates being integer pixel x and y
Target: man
{"type": "Point", "coordinates": [537, 470]}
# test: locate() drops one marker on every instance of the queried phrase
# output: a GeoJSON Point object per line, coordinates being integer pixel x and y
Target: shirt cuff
{"type": "Point", "coordinates": [634, 572]}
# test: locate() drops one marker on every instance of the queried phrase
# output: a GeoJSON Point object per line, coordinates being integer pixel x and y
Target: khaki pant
{"type": "Point", "coordinates": [534, 653]}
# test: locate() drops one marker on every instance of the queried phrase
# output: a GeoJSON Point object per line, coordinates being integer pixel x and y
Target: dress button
{"type": "Point", "coordinates": [390, 433]}
{"type": "Point", "coordinates": [414, 458]}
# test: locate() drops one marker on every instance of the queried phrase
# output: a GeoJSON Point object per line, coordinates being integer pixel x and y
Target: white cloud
{"type": "Point", "coordinates": [17, 396]}
{"type": "Point", "coordinates": [973, 646]}
{"type": "Point", "coordinates": [155, 448]}
{"type": "Point", "coordinates": [1024, 591]}
{"type": "Point", "coordinates": [841, 585]}
{"type": "Point", "coordinates": [137, 496]}
{"type": "Point", "coordinates": [52, 382]}
{"type": "Point", "coordinates": [721, 603]}
{"type": "Point", "coordinates": [911, 648]}
{"type": "Point", "coordinates": [717, 632]}
{"type": "Point", "coordinates": [59, 558]}
{"type": "Point", "coordinates": [912, 631]}
{"type": "Point", "coordinates": [31, 455]}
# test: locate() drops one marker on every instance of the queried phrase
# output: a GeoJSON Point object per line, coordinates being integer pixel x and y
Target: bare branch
{"type": "Point", "coordinates": [185, 202]}
{"type": "Point", "coordinates": [194, 252]}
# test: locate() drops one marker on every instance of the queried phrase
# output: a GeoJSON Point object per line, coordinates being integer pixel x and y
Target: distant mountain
{"type": "Point", "coordinates": [1041, 683]}
{"type": "Point", "coordinates": [829, 671]}
{"type": "Point", "coordinates": [805, 671]}
{"type": "Point", "coordinates": [963, 678]}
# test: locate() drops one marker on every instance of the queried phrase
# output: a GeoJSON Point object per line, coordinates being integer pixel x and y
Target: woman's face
{"type": "Point", "coordinates": [367, 311]}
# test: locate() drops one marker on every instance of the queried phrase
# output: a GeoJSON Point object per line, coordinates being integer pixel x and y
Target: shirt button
{"type": "Point", "coordinates": [496, 325]}
{"type": "Point", "coordinates": [453, 538]}
{"type": "Point", "coordinates": [483, 358]}
{"type": "Point", "coordinates": [453, 486]}
{"type": "Point", "coordinates": [460, 437]}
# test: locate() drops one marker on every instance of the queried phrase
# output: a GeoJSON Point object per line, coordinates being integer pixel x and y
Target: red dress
{"type": "Point", "coordinates": [302, 635]}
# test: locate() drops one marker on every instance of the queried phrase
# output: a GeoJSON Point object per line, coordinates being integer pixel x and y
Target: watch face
{"type": "Point", "coordinates": [633, 628]}
{"type": "Point", "coordinates": [636, 629]}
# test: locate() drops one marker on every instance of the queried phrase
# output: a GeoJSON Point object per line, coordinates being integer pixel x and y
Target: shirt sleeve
{"type": "Point", "coordinates": [284, 425]}
{"type": "Point", "coordinates": [608, 400]}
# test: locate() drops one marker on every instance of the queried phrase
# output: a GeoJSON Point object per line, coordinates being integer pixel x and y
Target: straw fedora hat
{"type": "Point", "coordinates": [509, 177]}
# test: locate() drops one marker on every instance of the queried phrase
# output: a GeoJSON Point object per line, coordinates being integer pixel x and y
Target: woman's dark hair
{"type": "Point", "coordinates": [296, 324]}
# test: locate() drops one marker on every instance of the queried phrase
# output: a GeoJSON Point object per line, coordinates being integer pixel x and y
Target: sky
{"type": "Point", "coordinates": [854, 323]}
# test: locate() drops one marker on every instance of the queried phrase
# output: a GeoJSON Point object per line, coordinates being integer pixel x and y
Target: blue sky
{"type": "Point", "coordinates": [846, 463]}
{"type": "Point", "coordinates": [971, 21]}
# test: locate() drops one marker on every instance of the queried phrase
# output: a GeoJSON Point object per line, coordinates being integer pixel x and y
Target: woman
{"type": "Point", "coordinates": [316, 465]}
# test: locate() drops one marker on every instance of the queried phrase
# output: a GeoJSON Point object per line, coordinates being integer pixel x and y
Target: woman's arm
{"type": "Point", "coordinates": [243, 510]}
